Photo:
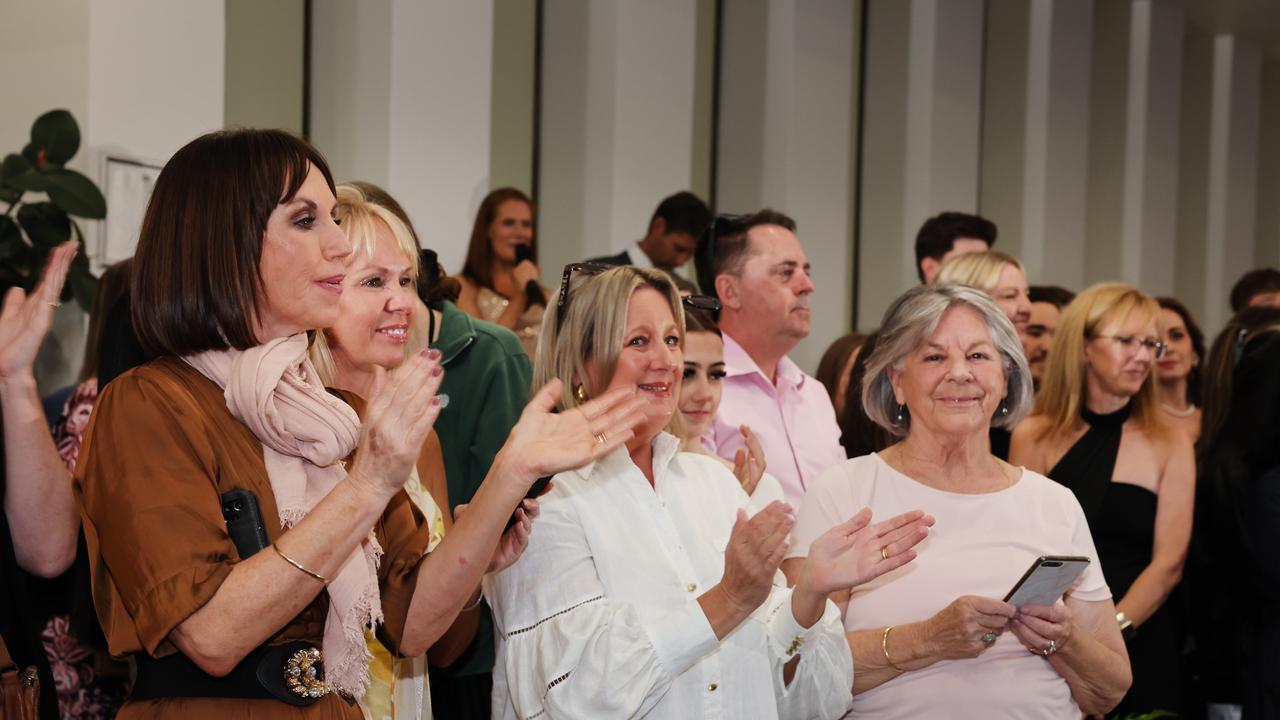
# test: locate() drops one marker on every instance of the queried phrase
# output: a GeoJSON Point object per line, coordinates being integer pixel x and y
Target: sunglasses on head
{"type": "Point", "coordinates": [698, 302]}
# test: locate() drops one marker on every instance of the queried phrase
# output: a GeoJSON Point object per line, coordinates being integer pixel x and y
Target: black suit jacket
{"type": "Point", "coordinates": [622, 258]}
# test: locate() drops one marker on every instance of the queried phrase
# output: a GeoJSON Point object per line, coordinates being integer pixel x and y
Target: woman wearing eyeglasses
{"type": "Point", "coordinates": [1099, 430]}
{"type": "Point", "coordinates": [645, 589]}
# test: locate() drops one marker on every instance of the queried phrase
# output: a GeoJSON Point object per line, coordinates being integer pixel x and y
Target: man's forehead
{"type": "Point", "coordinates": [775, 244]}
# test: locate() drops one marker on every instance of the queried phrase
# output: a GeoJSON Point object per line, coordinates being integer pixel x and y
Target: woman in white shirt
{"type": "Point", "coordinates": [645, 589]}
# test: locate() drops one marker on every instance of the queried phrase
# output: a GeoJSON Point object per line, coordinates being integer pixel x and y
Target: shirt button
{"type": "Point", "coordinates": [712, 687]}
{"type": "Point", "coordinates": [692, 587]}
{"type": "Point", "coordinates": [662, 504]}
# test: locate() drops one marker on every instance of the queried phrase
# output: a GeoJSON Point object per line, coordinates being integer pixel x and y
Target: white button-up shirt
{"type": "Point", "coordinates": [600, 616]}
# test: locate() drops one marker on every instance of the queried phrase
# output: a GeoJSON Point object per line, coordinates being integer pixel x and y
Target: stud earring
{"type": "Point", "coordinates": [580, 393]}
{"type": "Point", "coordinates": [1004, 407]}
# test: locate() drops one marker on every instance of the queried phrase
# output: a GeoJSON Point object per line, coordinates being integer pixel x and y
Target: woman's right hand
{"type": "Point", "coordinates": [523, 273]}
{"type": "Point", "coordinates": [756, 548]}
{"type": "Point", "coordinates": [397, 420]}
{"type": "Point", "coordinates": [543, 443]}
{"type": "Point", "coordinates": [25, 320]}
{"type": "Point", "coordinates": [957, 631]}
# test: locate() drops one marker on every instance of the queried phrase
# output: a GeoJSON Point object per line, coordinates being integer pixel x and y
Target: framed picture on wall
{"type": "Point", "coordinates": [126, 182]}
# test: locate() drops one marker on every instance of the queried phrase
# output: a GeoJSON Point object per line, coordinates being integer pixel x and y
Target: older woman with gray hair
{"type": "Point", "coordinates": [935, 637]}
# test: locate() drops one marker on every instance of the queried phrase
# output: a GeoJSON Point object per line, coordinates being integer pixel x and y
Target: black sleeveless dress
{"type": "Point", "coordinates": [1122, 519]}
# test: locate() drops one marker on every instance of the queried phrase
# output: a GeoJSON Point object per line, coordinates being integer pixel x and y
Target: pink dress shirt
{"type": "Point", "coordinates": [793, 419]}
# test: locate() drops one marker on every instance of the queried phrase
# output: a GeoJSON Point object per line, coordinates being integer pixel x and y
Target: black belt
{"type": "Point", "coordinates": [290, 673]}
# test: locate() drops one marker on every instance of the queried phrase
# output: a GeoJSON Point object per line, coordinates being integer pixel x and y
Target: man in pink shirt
{"type": "Point", "coordinates": [757, 267]}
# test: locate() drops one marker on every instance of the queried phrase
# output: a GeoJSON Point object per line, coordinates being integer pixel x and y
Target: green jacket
{"type": "Point", "coordinates": [487, 376]}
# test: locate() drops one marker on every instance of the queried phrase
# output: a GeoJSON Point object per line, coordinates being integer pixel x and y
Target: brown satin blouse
{"type": "Point", "coordinates": [159, 451]}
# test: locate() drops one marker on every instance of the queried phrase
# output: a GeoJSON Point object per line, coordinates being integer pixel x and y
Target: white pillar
{"type": "Point", "coordinates": [1149, 222]}
{"type": "Point", "coordinates": [1268, 249]}
{"type": "Point", "coordinates": [1233, 172]}
{"type": "Point", "coordinates": [921, 135]}
{"type": "Point", "coordinates": [401, 97]}
{"type": "Point", "coordinates": [1055, 161]}
{"type": "Point", "coordinates": [155, 75]}
{"type": "Point", "coordinates": [617, 121]}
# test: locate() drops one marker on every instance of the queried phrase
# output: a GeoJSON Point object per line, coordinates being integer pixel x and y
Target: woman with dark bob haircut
{"type": "Point", "coordinates": [240, 544]}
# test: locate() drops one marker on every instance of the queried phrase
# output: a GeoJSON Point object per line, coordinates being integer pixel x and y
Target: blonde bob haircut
{"type": "Point", "coordinates": [1062, 386]}
{"type": "Point", "coordinates": [361, 219]}
{"type": "Point", "coordinates": [909, 323]}
{"type": "Point", "coordinates": [595, 326]}
{"type": "Point", "coordinates": [979, 270]}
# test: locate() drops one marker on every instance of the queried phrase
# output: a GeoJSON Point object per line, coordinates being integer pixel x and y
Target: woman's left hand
{"type": "Point", "coordinates": [513, 542]}
{"type": "Point", "coordinates": [1043, 630]}
{"type": "Point", "coordinates": [855, 551]}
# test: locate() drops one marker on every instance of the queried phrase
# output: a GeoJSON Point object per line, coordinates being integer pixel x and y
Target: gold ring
{"type": "Point", "coordinates": [54, 305]}
{"type": "Point", "coordinates": [600, 438]}
{"type": "Point", "coordinates": [884, 553]}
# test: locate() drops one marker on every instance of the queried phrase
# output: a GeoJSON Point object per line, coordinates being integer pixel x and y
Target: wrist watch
{"type": "Point", "coordinates": [1127, 629]}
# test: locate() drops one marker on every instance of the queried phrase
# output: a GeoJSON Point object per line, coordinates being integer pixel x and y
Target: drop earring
{"type": "Point", "coordinates": [580, 393]}
{"type": "Point", "coordinates": [897, 420]}
{"type": "Point", "coordinates": [1004, 408]}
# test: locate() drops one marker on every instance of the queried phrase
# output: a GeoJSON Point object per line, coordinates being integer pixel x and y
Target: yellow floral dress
{"type": "Point", "coordinates": [398, 686]}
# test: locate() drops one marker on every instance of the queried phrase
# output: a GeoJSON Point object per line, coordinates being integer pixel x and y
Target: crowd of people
{"type": "Point", "coordinates": [305, 472]}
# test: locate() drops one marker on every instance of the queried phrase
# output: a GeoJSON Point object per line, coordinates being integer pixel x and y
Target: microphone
{"type": "Point", "coordinates": [531, 289]}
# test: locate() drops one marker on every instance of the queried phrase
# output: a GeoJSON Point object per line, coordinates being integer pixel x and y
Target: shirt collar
{"type": "Point", "coordinates": [738, 362]}
{"type": "Point", "coordinates": [665, 448]}
{"type": "Point", "coordinates": [639, 256]}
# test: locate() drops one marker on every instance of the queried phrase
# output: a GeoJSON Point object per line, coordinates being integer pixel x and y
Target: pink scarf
{"type": "Point", "coordinates": [274, 390]}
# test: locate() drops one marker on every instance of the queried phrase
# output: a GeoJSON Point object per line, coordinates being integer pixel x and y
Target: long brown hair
{"type": "Point", "coordinates": [1228, 347]}
{"type": "Point", "coordinates": [112, 285]}
{"type": "Point", "coordinates": [1062, 387]}
{"type": "Point", "coordinates": [478, 267]}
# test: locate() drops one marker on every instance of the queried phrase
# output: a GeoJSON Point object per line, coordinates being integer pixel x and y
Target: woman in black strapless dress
{"type": "Point", "coordinates": [1098, 430]}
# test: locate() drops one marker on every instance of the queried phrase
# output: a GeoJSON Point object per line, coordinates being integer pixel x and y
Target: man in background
{"type": "Point", "coordinates": [757, 268]}
{"type": "Point", "coordinates": [948, 234]}
{"type": "Point", "coordinates": [673, 232]}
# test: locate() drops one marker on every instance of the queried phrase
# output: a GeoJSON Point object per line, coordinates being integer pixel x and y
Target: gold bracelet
{"type": "Point", "coordinates": [296, 564]}
{"type": "Point", "coordinates": [884, 645]}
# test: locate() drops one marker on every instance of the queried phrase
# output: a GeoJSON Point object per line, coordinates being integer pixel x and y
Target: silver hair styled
{"type": "Point", "coordinates": [910, 321]}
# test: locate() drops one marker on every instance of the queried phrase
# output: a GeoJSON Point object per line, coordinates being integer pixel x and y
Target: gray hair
{"type": "Point", "coordinates": [910, 321]}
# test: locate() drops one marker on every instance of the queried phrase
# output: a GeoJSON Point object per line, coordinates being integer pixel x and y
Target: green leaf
{"type": "Point", "coordinates": [30, 154]}
{"type": "Point", "coordinates": [57, 133]}
{"type": "Point", "coordinates": [9, 194]}
{"type": "Point", "coordinates": [75, 193]}
{"type": "Point", "coordinates": [46, 224]}
{"type": "Point", "coordinates": [11, 242]}
{"type": "Point", "coordinates": [13, 166]}
{"type": "Point", "coordinates": [30, 181]}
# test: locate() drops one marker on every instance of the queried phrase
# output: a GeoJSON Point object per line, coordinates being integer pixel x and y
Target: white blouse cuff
{"type": "Point", "coordinates": [682, 638]}
{"type": "Point", "coordinates": [786, 633]}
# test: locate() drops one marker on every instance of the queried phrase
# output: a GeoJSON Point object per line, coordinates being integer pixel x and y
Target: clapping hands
{"type": "Point", "coordinates": [856, 551]}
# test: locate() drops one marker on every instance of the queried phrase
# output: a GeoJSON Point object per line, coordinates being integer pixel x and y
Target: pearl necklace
{"type": "Point", "coordinates": [1191, 410]}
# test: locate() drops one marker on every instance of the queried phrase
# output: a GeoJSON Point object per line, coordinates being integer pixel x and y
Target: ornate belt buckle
{"type": "Point", "coordinates": [303, 674]}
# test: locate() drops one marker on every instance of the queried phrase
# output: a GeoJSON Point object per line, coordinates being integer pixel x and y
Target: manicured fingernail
{"type": "Point", "coordinates": [437, 370]}
{"type": "Point", "coordinates": [435, 400]}
{"type": "Point", "coordinates": [433, 354]}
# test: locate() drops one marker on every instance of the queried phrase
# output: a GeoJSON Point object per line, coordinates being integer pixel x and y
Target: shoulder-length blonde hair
{"type": "Point", "coordinates": [594, 328]}
{"type": "Point", "coordinates": [360, 218]}
{"type": "Point", "coordinates": [979, 270]}
{"type": "Point", "coordinates": [1062, 387]}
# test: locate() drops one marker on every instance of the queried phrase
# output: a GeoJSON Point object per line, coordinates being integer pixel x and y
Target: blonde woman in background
{"type": "Point", "coordinates": [371, 335]}
{"type": "Point", "coordinates": [1098, 429]}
